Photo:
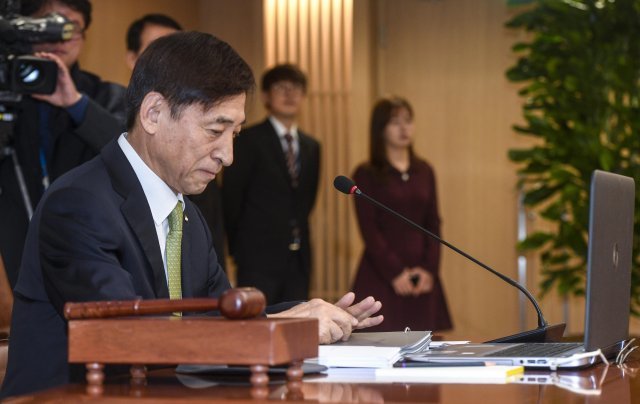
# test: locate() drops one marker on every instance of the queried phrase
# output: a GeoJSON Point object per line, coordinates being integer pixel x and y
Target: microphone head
{"type": "Point", "coordinates": [344, 185]}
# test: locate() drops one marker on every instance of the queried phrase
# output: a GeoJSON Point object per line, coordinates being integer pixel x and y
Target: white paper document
{"type": "Point", "coordinates": [358, 356]}
{"type": "Point", "coordinates": [373, 349]}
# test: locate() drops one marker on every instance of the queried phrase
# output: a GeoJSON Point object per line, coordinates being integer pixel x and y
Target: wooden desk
{"type": "Point", "coordinates": [597, 385]}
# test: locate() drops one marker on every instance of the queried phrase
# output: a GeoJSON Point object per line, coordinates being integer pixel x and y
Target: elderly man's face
{"type": "Point", "coordinates": [188, 152]}
{"type": "Point", "coordinates": [68, 51]}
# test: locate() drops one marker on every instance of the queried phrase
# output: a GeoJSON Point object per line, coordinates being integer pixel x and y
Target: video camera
{"type": "Point", "coordinates": [21, 73]}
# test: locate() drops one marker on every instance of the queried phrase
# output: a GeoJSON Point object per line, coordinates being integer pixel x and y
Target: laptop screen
{"type": "Point", "coordinates": [611, 215]}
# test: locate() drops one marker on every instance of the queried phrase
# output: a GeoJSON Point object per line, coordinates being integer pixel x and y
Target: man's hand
{"type": "Point", "coordinates": [66, 94]}
{"type": "Point", "coordinates": [362, 311]}
{"type": "Point", "coordinates": [336, 322]}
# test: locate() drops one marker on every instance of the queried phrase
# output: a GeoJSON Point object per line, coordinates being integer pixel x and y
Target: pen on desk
{"type": "Point", "coordinates": [431, 364]}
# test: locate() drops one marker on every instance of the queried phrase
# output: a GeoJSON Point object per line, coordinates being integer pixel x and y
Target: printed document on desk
{"type": "Point", "coordinates": [451, 374]}
{"type": "Point", "coordinates": [373, 349]}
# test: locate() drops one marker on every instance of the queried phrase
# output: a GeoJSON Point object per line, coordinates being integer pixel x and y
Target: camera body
{"type": "Point", "coordinates": [20, 72]}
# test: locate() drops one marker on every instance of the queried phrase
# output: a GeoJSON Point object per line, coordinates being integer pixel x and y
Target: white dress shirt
{"type": "Point", "coordinates": [162, 200]}
{"type": "Point", "coordinates": [281, 130]}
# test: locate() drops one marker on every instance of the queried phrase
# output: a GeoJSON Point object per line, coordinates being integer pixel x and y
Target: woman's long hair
{"type": "Point", "coordinates": [383, 112]}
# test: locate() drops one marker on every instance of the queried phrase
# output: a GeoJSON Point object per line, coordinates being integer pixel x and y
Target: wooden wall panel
{"type": "Point", "coordinates": [317, 36]}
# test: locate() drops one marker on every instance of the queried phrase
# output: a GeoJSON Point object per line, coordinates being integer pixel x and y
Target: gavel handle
{"type": "Point", "coordinates": [239, 303]}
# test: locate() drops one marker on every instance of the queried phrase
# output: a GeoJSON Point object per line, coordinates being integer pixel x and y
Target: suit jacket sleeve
{"type": "Point", "coordinates": [104, 118]}
{"type": "Point", "coordinates": [78, 250]}
{"type": "Point", "coordinates": [217, 281]}
{"type": "Point", "coordinates": [235, 182]}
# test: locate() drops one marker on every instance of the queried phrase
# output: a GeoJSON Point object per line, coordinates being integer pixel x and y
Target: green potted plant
{"type": "Point", "coordinates": [580, 66]}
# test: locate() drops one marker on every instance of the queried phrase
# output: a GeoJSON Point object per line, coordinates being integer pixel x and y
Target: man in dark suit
{"type": "Point", "coordinates": [120, 226]}
{"type": "Point", "coordinates": [269, 192]}
{"type": "Point", "coordinates": [54, 133]}
{"type": "Point", "coordinates": [140, 34]}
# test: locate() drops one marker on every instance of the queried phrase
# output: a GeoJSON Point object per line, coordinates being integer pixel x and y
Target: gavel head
{"type": "Point", "coordinates": [242, 303]}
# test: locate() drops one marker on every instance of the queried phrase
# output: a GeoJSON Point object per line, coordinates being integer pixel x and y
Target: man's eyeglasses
{"type": "Point", "coordinates": [287, 87]}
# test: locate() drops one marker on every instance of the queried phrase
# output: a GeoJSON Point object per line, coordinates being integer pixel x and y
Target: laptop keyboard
{"type": "Point", "coordinates": [543, 350]}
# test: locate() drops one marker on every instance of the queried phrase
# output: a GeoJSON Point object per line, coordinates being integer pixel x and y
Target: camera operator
{"type": "Point", "coordinates": [57, 132]}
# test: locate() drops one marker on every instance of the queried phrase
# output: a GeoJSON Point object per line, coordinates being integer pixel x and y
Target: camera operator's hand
{"type": "Point", "coordinates": [66, 93]}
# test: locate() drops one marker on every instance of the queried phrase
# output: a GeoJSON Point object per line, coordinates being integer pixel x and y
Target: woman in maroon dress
{"type": "Point", "coordinates": [400, 265]}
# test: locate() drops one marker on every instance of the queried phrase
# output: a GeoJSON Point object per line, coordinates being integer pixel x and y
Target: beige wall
{"type": "Point", "coordinates": [105, 45]}
{"type": "Point", "coordinates": [448, 58]}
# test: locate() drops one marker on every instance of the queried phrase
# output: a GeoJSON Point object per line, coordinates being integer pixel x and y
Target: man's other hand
{"type": "Point", "coordinates": [337, 321]}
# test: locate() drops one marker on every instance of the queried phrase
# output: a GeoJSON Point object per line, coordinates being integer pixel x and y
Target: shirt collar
{"type": "Point", "coordinates": [281, 130]}
{"type": "Point", "coordinates": [162, 200]}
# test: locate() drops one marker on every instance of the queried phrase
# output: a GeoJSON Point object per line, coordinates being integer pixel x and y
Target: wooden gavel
{"type": "Point", "coordinates": [238, 303]}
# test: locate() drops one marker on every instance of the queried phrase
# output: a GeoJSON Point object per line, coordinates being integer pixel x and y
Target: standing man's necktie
{"type": "Point", "coordinates": [292, 165]}
{"type": "Point", "coordinates": [174, 255]}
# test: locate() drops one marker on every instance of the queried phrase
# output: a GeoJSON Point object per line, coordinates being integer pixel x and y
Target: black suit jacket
{"type": "Point", "coordinates": [71, 145]}
{"type": "Point", "coordinates": [93, 238]}
{"type": "Point", "coordinates": [260, 205]}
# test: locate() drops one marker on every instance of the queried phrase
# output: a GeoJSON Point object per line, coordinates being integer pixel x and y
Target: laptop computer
{"type": "Point", "coordinates": [611, 215]}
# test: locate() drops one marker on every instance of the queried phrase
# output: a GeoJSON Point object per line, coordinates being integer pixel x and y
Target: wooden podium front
{"type": "Point", "coordinates": [255, 342]}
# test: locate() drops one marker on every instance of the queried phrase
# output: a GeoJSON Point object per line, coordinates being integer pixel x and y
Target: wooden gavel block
{"type": "Point", "coordinates": [101, 333]}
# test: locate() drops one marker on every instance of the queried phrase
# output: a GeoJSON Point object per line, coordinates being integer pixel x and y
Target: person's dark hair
{"type": "Point", "coordinates": [30, 7]}
{"type": "Point", "coordinates": [383, 112]}
{"type": "Point", "coordinates": [135, 29]}
{"type": "Point", "coordinates": [283, 72]}
{"type": "Point", "coordinates": [188, 68]}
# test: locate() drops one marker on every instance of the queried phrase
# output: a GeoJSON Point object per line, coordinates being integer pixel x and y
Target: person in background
{"type": "Point", "coordinates": [57, 132]}
{"type": "Point", "coordinates": [119, 227]}
{"type": "Point", "coordinates": [400, 264]}
{"type": "Point", "coordinates": [140, 34]}
{"type": "Point", "coordinates": [145, 30]}
{"type": "Point", "coordinates": [270, 190]}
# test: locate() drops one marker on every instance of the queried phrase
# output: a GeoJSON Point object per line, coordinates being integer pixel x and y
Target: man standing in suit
{"type": "Point", "coordinates": [140, 34]}
{"type": "Point", "coordinates": [57, 132]}
{"type": "Point", "coordinates": [269, 192]}
{"type": "Point", "coordinates": [119, 226]}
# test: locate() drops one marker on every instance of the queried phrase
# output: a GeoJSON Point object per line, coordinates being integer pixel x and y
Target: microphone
{"type": "Point", "coordinates": [544, 332]}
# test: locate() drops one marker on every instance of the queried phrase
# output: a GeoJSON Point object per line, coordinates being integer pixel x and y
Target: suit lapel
{"type": "Point", "coordinates": [185, 264]}
{"type": "Point", "coordinates": [136, 212]}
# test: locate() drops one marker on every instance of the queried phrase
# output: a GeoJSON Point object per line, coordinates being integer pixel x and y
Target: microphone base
{"type": "Point", "coordinates": [549, 333]}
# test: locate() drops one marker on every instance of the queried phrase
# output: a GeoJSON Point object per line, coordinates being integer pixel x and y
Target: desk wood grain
{"type": "Point", "coordinates": [595, 385]}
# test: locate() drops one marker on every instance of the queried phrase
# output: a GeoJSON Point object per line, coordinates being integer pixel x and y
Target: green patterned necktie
{"type": "Point", "coordinates": [174, 255]}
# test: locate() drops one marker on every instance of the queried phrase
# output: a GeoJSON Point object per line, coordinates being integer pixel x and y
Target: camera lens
{"type": "Point", "coordinates": [29, 75]}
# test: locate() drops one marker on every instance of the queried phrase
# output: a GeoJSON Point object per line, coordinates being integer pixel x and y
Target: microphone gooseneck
{"type": "Point", "coordinates": [347, 186]}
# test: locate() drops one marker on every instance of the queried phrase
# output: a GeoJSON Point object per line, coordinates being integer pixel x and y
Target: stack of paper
{"type": "Point", "coordinates": [358, 356]}
{"type": "Point", "coordinates": [373, 349]}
